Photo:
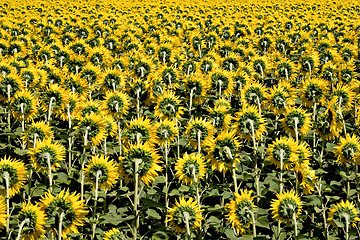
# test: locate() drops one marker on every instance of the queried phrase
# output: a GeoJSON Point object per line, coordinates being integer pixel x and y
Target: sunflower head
{"type": "Point", "coordinates": [296, 119]}
{"type": "Point", "coordinates": [165, 131]}
{"type": "Point", "coordinates": [184, 211]}
{"type": "Point", "coordinates": [103, 170]}
{"type": "Point", "coordinates": [14, 172]}
{"type": "Point", "coordinates": [283, 152]}
{"type": "Point", "coordinates": [116, 103]}
{"type": "Point", "coordinates": [249, 123]}
{"type": "Point", "coordinates": [4, 217]}
{"type": "Point", "coordinates": [34, 218]}
{"type": "Point", "coordinates": [199, 130]}
{"type": "Point", "coordinates": [343, 212]}
{"type": "Point", "coordinates": [168, 106]}
{"type": "Point", "coordinates": [139, 130]}
{"type": "Point", "coordinates": [347, 151]}
{"type": "Point", "coordinates": [240, 211]}
{"type": "Point", "coordinates": [24, 105]}
{"type": "Point", "coordinates": [287, 206]}
{"type": "Point", "coordinates": [190, 168]}
{"type": "Point", "coordinates": [114, 234]}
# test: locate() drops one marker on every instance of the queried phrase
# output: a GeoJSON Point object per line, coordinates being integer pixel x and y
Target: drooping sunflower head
{"type": "Point", "coordinates": [88, 107]}
{"type": "Point", "coordinates": [286, 207]}
{"type": "Point", "coordinates": [168, 106]}
{"type": "Point", "coordinates": [184, 211]}
{"type": "Point", "coordinates": [37, 131]}
{"type": "Point", "coordinates": [114, 234]}
{"type": "Point", "coordinates": [342, 211]}
{"type": "Point", "coordinates": [278, 99]}
{"type": "Point", "coordinates": [296, 121]}
{"type": "Point", "coordinates": [327, 124]}
{"type": "Point", "coordinates": [222, 102]}
{"type": "Point", "coordinates": [240, 211]}
{"type": "Point", "coordinates": [165, 131]}
{"type": "Point", "coordinates": [190, 168]}
{"type": "Point", "coordinates": [141, 159]}
{"type": "Point", "coordinates": [66, 206]}
{"type": "Point", "coordinates": [55, 98]}
{"type": "Point", "coordinates": [283, 152]}
{"type": "Point", "coordinates": [344, 96]}
{"type": "Point", "coordinates": [196, 87]}
{"type": "Point", "coordinates": [307, 179]}
{"type": "Point", "coordinates": [286, 70]}
{"type": "Point", "coordinates": [112, 80]}
{"type": "Point", "coordinates": [224, 151]}
{"type": "Point", "coordinates": [139, 130]}
{"type": "Point", "coordinates": [116, 103]}
{"type": "Point", "coordinates": [199, 131]}
{"type": "Point", "coordinates": [14, 172]}
{"type": "Point", "coordinates": [34, 218]}
{"type": "Point", "coordinates": [47, 152]}
{"type": "Point", "coordinates": [10, 84]}
{"type": "Point", "coordinates": [222, 82]}
{"type": "Point", "coordinates": [103, 170]}
{"type": "Point", "coordinates": [110, 125]}
{"type": "Point", "coordinates": [220, 117]}
{"type": "Point", "coordinates": [92, 128]}
{"type": "Point", "coordinates": [347, 150]}
{"type": "Point", "coordinates": [249, 123]}
{"type": "Point", "coordinates": [254, 94]}
{"type": "Point", "coordinates": [24, 105]}
{"type": "Point", "coordinates": [313, 90]}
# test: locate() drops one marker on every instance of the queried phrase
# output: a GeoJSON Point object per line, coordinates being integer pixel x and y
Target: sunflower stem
{"type": "Point", "coordinates": [191, 99]}
{"type": "Point", "coordinates": [138, 102]}
{"type": "Point", "coordinates": [346, 216]}
{"type": "Point", "coordinates": [296, 121]}
{"type": "Point", "coordinates": [255, 154]}
{"type": "Point", "coordinates": [186, 218]}
{"type": "Point", "coordinates": [341, 115]}
{"type": "Point", "coordinates": [105, 150]}
{"type": "Point", "coordinates": [253, 222]}
{"type": "Point", "coordinates": [295, 224]}
{"type": "Point", "coordinates": [61, 218]}
{"type": "Point", "coordinates": [136, 200]}
{"type": "Point", "coordinates": [22, 224]}
{"type": "Point", "coordinates": [49, 169]}
{"type": "Point", "coordinates": [9, 111]}
{"type": "Point", "coordinates": [22, 117]}
{"type": "Point", "coordinates": [119, 133]}
{"type": "Point", "coordinates": [314, 118]}
{"type": "Point", "coordinates": [309, 66]}
{"type": "Point", "coordinates": [6, 176]}
{"type": "Point", "coordinates": [50, 105]}
{"type": "Point", "coordinates": [199, 141]}
{"type": "Point", "coordinates": [178, 138]}
{"type": "Point", "coordinates": [286, 74]}
{"type": "Point", "coordinates": [166, 177]}
{"type": "Point", "coordinates": [281, 169]}
{"type": "Point", "coordinates": [29, 183]}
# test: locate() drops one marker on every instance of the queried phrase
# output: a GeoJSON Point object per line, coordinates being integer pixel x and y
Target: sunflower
{"type": "Point", "coordinates": [85, 108]}
{"type": "Point", "coordinates": [37, 131]}
{"type": "Point", "coordinates": [341, 211]}
{"type": "Point", "coordinates": [45, 151]}
{"type": "Point", "coordinates": [222, 82]}
{"type": "Point", "coordinates": [112, 80]}
{"type": "Point", "coordinates": [253, 94]}
{"type": "Point", "coordinates": [286, 206]}
{"type": "Point", "coordinates": [308, 62]}
{"type": "Point", "coordinates": [76, 84]}
{"type": "Point", "coordinates": [199, 129]}
{"type": "Point", "coordinates": [261, 65]}
{"type": "Point", "coordinates": [327, 124]}
{"type": "Point", "coordinates": [344, 96]}
{"type": "Point", "coordinates": [224, 151]}
{"type": "Point", "coordinates": [285, 149]}
{"type": "Point", "coordinates": [249, 122]}
{"type": "Point", "coordinates": [168, 106]}
{"type": "Point", "coordinates": [313, 90]}
{"type": "Point", "coordinates": [295, 118]}
{"type": "Point", "coordinates": [183, 211]}
{"type": "Point", "coordinates": [139, 130]}
{"type": "Point", "coordinates": [66, 206]}
{"type": "Point", "coordinates": [114, 234]}
{"type": "Point", "coordinates": [116, 103]}
{"type": "Point", "coordinates": [92, 127]}
{"type": "Point", "coordinates": [278, 99]}
{"type": "Point", "coordinates": [17, 175]}
{"type": "Point", "coordinates": [70, 111]}
{"type": "Point", "coordinates": [34, 218]}
{"type": "Point", "coordinates": [110, 125]}
{"type": "Point", "coordinates": [348, 149]}
{"type": "Point", "coordinates": [106, 171]}
{"type": "Point", "coordinates": [24, 104]}
{"type": "Point", "coordinates": [4, 217]}
{"type": "Point", "coordinates": [196, 87]}
{"type": "Point", "coordinates": [307, 179]}
{"type": "Point", "coordinates": [190, 168]}
{"type": "Point", "coordinates": [147, 158]}
{"type": "Point", "coordinates": [55, 98]}
{"type": "Point", "coordinates": [303, 155]}
{"type": "Point", "coordinates": [240, 211]}
{"type": "Point", "coordinates": [286, 70]}
{"type": "Point", "coordinates": [9, 85]}
{"type": "Point", "coordinates": [165, 131]}
{"type": "Point", "coordinates": [222, 102]}
{"type": "Point", "coordinates": [220, 117]}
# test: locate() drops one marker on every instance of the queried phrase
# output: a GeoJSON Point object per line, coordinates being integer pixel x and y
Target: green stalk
{"type": "Point", "coordinates": [253, 222]}
{"type": "Point", "coordinates": [186, 218]}
{"type": "Point", "coordinates": [6, 176]}
{"type": "Point", "coordinates": [346, 226]}
{"type": "Point", "coordinates": [49, 169]}
{"type": "Point", "coordinates": [61, 218]}
{"type": "Point", "coordinates": [22, 224]}
{"type": "Point", "coordinates": [166, 177]}
{"type": "Point", "coordinates": [136, 197]}
{"type": "Point", "coordinates": [199, 141]}
{"type": "Point", "coordinates": [295, 224]}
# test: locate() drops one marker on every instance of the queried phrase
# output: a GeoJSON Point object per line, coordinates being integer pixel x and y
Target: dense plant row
{"type": "Point", "coordinates": [179, 120]}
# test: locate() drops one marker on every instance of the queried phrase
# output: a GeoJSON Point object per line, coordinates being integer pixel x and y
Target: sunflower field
{"type": "Point", "coordinates": [179, 119]}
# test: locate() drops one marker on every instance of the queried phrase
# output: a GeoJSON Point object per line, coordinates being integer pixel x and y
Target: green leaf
{"type": "Point", "coordinates": [160, 236]}
{"type": "Point", "coordinates": [153, 214]}
{"type": "Point", "coordinates": [230, 234]}
{"type": "Point", "coordinates": [150, 203]}
{"type": "Point", "coordinates": [263, 222]}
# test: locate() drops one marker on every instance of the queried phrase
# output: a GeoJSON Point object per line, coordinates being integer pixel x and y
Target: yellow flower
{"type": "Point", "coordinates": [220, 117]}
{"type": "Point", "coordinates": [107, 172]}
{"type": "Point", "coordinates": [92, 127]}
{"type": "Point", "coordinates": [222, 82]}
{"type": "Point", "coordinates": [190, 168]}
{"type": "Point", "coordinates": [65, 205]}
{"type": "Point", "coordinates": [148, 160]}
{"type": "Point", "coordinates": [347, 151]}
{"type": "Point", "coordinates": [24, 104]}
{"type": "Point", "coordinates": [285, 149]}
{"type": "Point", "coordinates": [45, 151]}
{"type": "Point", "coordinates": [168, 106]}
{"type": "Point", "coordinates": [224, 150]}
{"type": "Point", "coordinates": [248, 120]}
{"type": "Point", "coordinates": [296, 119]}
{"type": "Point", "coordinates": [199, 129]}
{"type": "Point", "coordinates": [341, 211]}
{"type": "Point", "coordinates": [278, 99]}
{"type": "Point", "coordinates": [286, 206]}
{"type": "Point", "coordinates": [113, 234]}
{"type": "Point", "coordinates": [253, 94]}
{"type": "Point", "coordinates": [37, 131]}
{"type": "Point", "coordinates": [10, 84]}
{"type": "Point", "coordinates": [314, 90]}
{"type": "Point", "coordinates": [181, 210]}
{"type": "Point", "coordinates": [34, 218]}
{"type": "Point", "coordinates": [17, 175]}
{"type": "Point", "coordinates": [116, 103]}
{"type": "Point", "coordinates": [165, 131]}
{"type": "Point", "coordinates": [139, 130]}
{"type": "Point", "coordinates": [239, 211]}
{"type": "Point", "coordinates": [55, 97]}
